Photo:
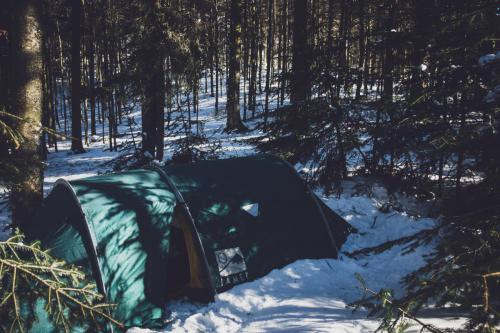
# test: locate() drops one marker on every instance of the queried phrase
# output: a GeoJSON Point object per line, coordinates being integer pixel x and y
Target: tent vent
{"type": "Point", "coordinates": [252, 209]}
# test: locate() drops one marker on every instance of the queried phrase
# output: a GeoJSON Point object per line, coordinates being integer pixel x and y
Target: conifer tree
{"type": "Point", "coordinates": [234, 122]}
{"type": "Point", "coordinates": [25, 36]}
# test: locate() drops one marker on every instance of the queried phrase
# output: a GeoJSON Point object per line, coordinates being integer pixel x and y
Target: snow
{"type": "Point", "coordinates": [493, 95]}
{"type": "Point", "coordinates": [313, 295]}
{"type": "Point", "coordinates": [487, 58]}
{"type": "Point", "coordinates": [305, 296]}
{"type": "Point", "coordinates": [252, 209]}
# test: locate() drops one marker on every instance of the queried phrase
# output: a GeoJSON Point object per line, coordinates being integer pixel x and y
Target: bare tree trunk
{"type": "Point", "coordinates": [361, 40]}
{"type": "Point", "coordinates": [61, 68]}
{"type": "Point", "coordinates": [76, 112]}
{"type": "Point", "coordinates": [252, 91]}
{"type": "Point", "coordinates": [422, 23]}
{"type": "Point", "coordinates": [245, 57]}
{"type": "Point", "coordinates": [154, 100]}
{"type": "Point", "coordinates": [27, 71]}
{"type": "Point", "coordinates": [260, 40]}
{"type": "Point", "coordinates": [269, 57]}
{"type": "Point", "coordinates": [216, 54]}
{"type": "Point", "coordinates": [300, 85]}
{"type": "Point", "coordinates": [233, 122]}
{"type": "Point", "coordinates": [91, 90]}
{"type": "Point", "coordinates": [284, 61]}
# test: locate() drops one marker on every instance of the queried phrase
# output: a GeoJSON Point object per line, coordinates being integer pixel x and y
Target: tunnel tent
{"type": "Point", "coordinates": [151, 235]}
{"type": "Point", "coordinates": [257, 206]}
{"type": "Point", "coordinates": [116, 227]}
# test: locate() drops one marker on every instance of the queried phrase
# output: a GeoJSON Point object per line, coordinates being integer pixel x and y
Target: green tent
{"type": "Point", "coordinates": [148, 236]}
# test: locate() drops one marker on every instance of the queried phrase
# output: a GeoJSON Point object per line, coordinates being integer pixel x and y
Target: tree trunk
{"type": "Point", "coordinates": [252, 93]}
{"type": "Point", "coordinates": [233, 122]}
{"type": "Point", "coordinates": [63, 88]}
{"type": "Point", "coordinates": [91, 90]}
{"type": "Point", "coordinates": [269, 57]}
{"type": "Point", "coordinates": [300, 85]}
{"type": "Point", "coordinates": [284, 60]}
{"type": "Point", "coordinates": [217, 57]}
{"type": "Point", "coordinates": [153, 123]}
{"type": "Point", "coordinates": [388, 63]}
{"type": "Point", "coordinates": [422, 26]}
{"type": "Point", "coordinates": [361, 41]}
{"type": "Point", "coordinates": [26, 100]}
{"type": "Point", "coordinates": [76, 112]}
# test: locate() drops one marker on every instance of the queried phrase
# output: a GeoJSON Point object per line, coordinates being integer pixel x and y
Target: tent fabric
{"type": "Point", "coordinates": [289, 225]}
{"type": "Point", "coordinates": [127, 215]}
{"type": "Point", "coordinates": [151, 235]}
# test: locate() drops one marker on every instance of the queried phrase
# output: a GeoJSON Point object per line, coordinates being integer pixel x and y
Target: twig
{"type": "Point", "coordinates": [405, 313]}
{"type": "Point", "coordinates": [62, 292]}
{"type": "Point", "coordinates": [486, 291]}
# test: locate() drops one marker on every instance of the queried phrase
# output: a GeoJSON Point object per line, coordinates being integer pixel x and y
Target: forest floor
{"type": "Point", "coordinates": [305, 296]}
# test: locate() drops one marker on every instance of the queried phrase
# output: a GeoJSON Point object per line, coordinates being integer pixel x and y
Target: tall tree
{"type": "Point", "coordinates": [91, 60]}
{"type": "Point", "coordinates": [361, 50]}
{"type": "Point", "coordinates": [269, 56]}
{"type": "Point", "coordinates": [153, 113]}
{"type": "Point", "coordinates": [234, 122]}
{"type": "Point", "coordinates": [300, 79]}
{"type": "Point", "coordinates": [422, 28]}
{"type": "Point", "coordinates": [26, 102]}
{"type": "Point", "coordinates": [76, 112]}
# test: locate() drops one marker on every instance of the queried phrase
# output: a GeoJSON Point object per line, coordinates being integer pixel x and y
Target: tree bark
{"type": "Point", "coordinates": [91, 90]}
{"type": "Point", "coordinates": [284, 53]}
{"type": "Point", "coordinates": [234, 122]}
{"type": "Point", "coordinates": [216, 55]}
{"type": "Point", "coordinates": [269, 57]}
{"type": "Point", "coordinates": [300, 85]}
{"type": "Point", "coordinates": [252, 93]}
{"type": "Point", "coordinates": [423, 25]}
{"type": "Point", "coordinates": [76, 112]}
{"type": "Point", "coordinates": [361, 41]}
{"type": "Point", "coordinates": [26, 102]}
{"type": "Point", "coordinates": [153, 105]}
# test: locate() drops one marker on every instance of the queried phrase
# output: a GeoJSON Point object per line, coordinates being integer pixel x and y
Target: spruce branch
{"type": "Point", "coordinates": [28, 273]}
{"type": "Point", "coordinates": [390, 323]}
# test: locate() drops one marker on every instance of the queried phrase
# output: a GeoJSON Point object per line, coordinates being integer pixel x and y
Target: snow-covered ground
{"type": "Point", "coordinates": [305, 296]}
{"type": "Point", "coordinates": [313, 295]}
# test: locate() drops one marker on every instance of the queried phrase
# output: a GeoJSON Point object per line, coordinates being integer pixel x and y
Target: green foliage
{"type": "Point", "coordinates": [315, 134]}
{"type": "Point", "coordinates": [29, 275]}
{"type": "Point", "coordinates": [192, 148]}
{"type": "Point", "coordinates": [464, 269]}
{"type": "Point", "coordinates": [468, 252]}
{"type": "Point", "coordinates": [395, 319]}
{"type": "Point", "coordinates": [437, 135]}
{"type": "Point", "coordinates": [9, 123]}
{"type": "Point", "coordinates": [7, 130]}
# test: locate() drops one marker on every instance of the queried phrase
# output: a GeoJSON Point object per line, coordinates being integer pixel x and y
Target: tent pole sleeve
{"type": "Point", "coordinates": [315, 199]}
{"type": "Point", "coordinates": [94, 260]}
{"type": "Point", "coordinates": [192, 225]}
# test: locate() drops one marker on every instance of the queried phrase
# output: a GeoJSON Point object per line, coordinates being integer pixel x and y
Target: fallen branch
{"type": "Point", "coordinates": [429, 327]}
{"type": "Point", "coordinates": [31, 272]}
{"type": "Point", "coordinates": [486, 294]}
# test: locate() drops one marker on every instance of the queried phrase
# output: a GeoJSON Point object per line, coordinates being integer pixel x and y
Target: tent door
{"type": "Point", "coordinates": [186, 273]}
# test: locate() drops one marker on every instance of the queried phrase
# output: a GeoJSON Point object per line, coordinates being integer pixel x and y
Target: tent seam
{"type": "Point", "coordinates": [314, 199]}
{"type": "Point", "coordinates": [89, 234]}
{"type": "Point", "coordinates": [185, 207]}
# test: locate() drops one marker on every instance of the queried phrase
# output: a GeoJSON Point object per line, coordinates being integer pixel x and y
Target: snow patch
{"type": "Point", "coordinates": [252, 209]}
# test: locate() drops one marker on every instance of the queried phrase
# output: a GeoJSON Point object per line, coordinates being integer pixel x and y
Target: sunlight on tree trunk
{"type": "Point", "coordinates": [26, 67]}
